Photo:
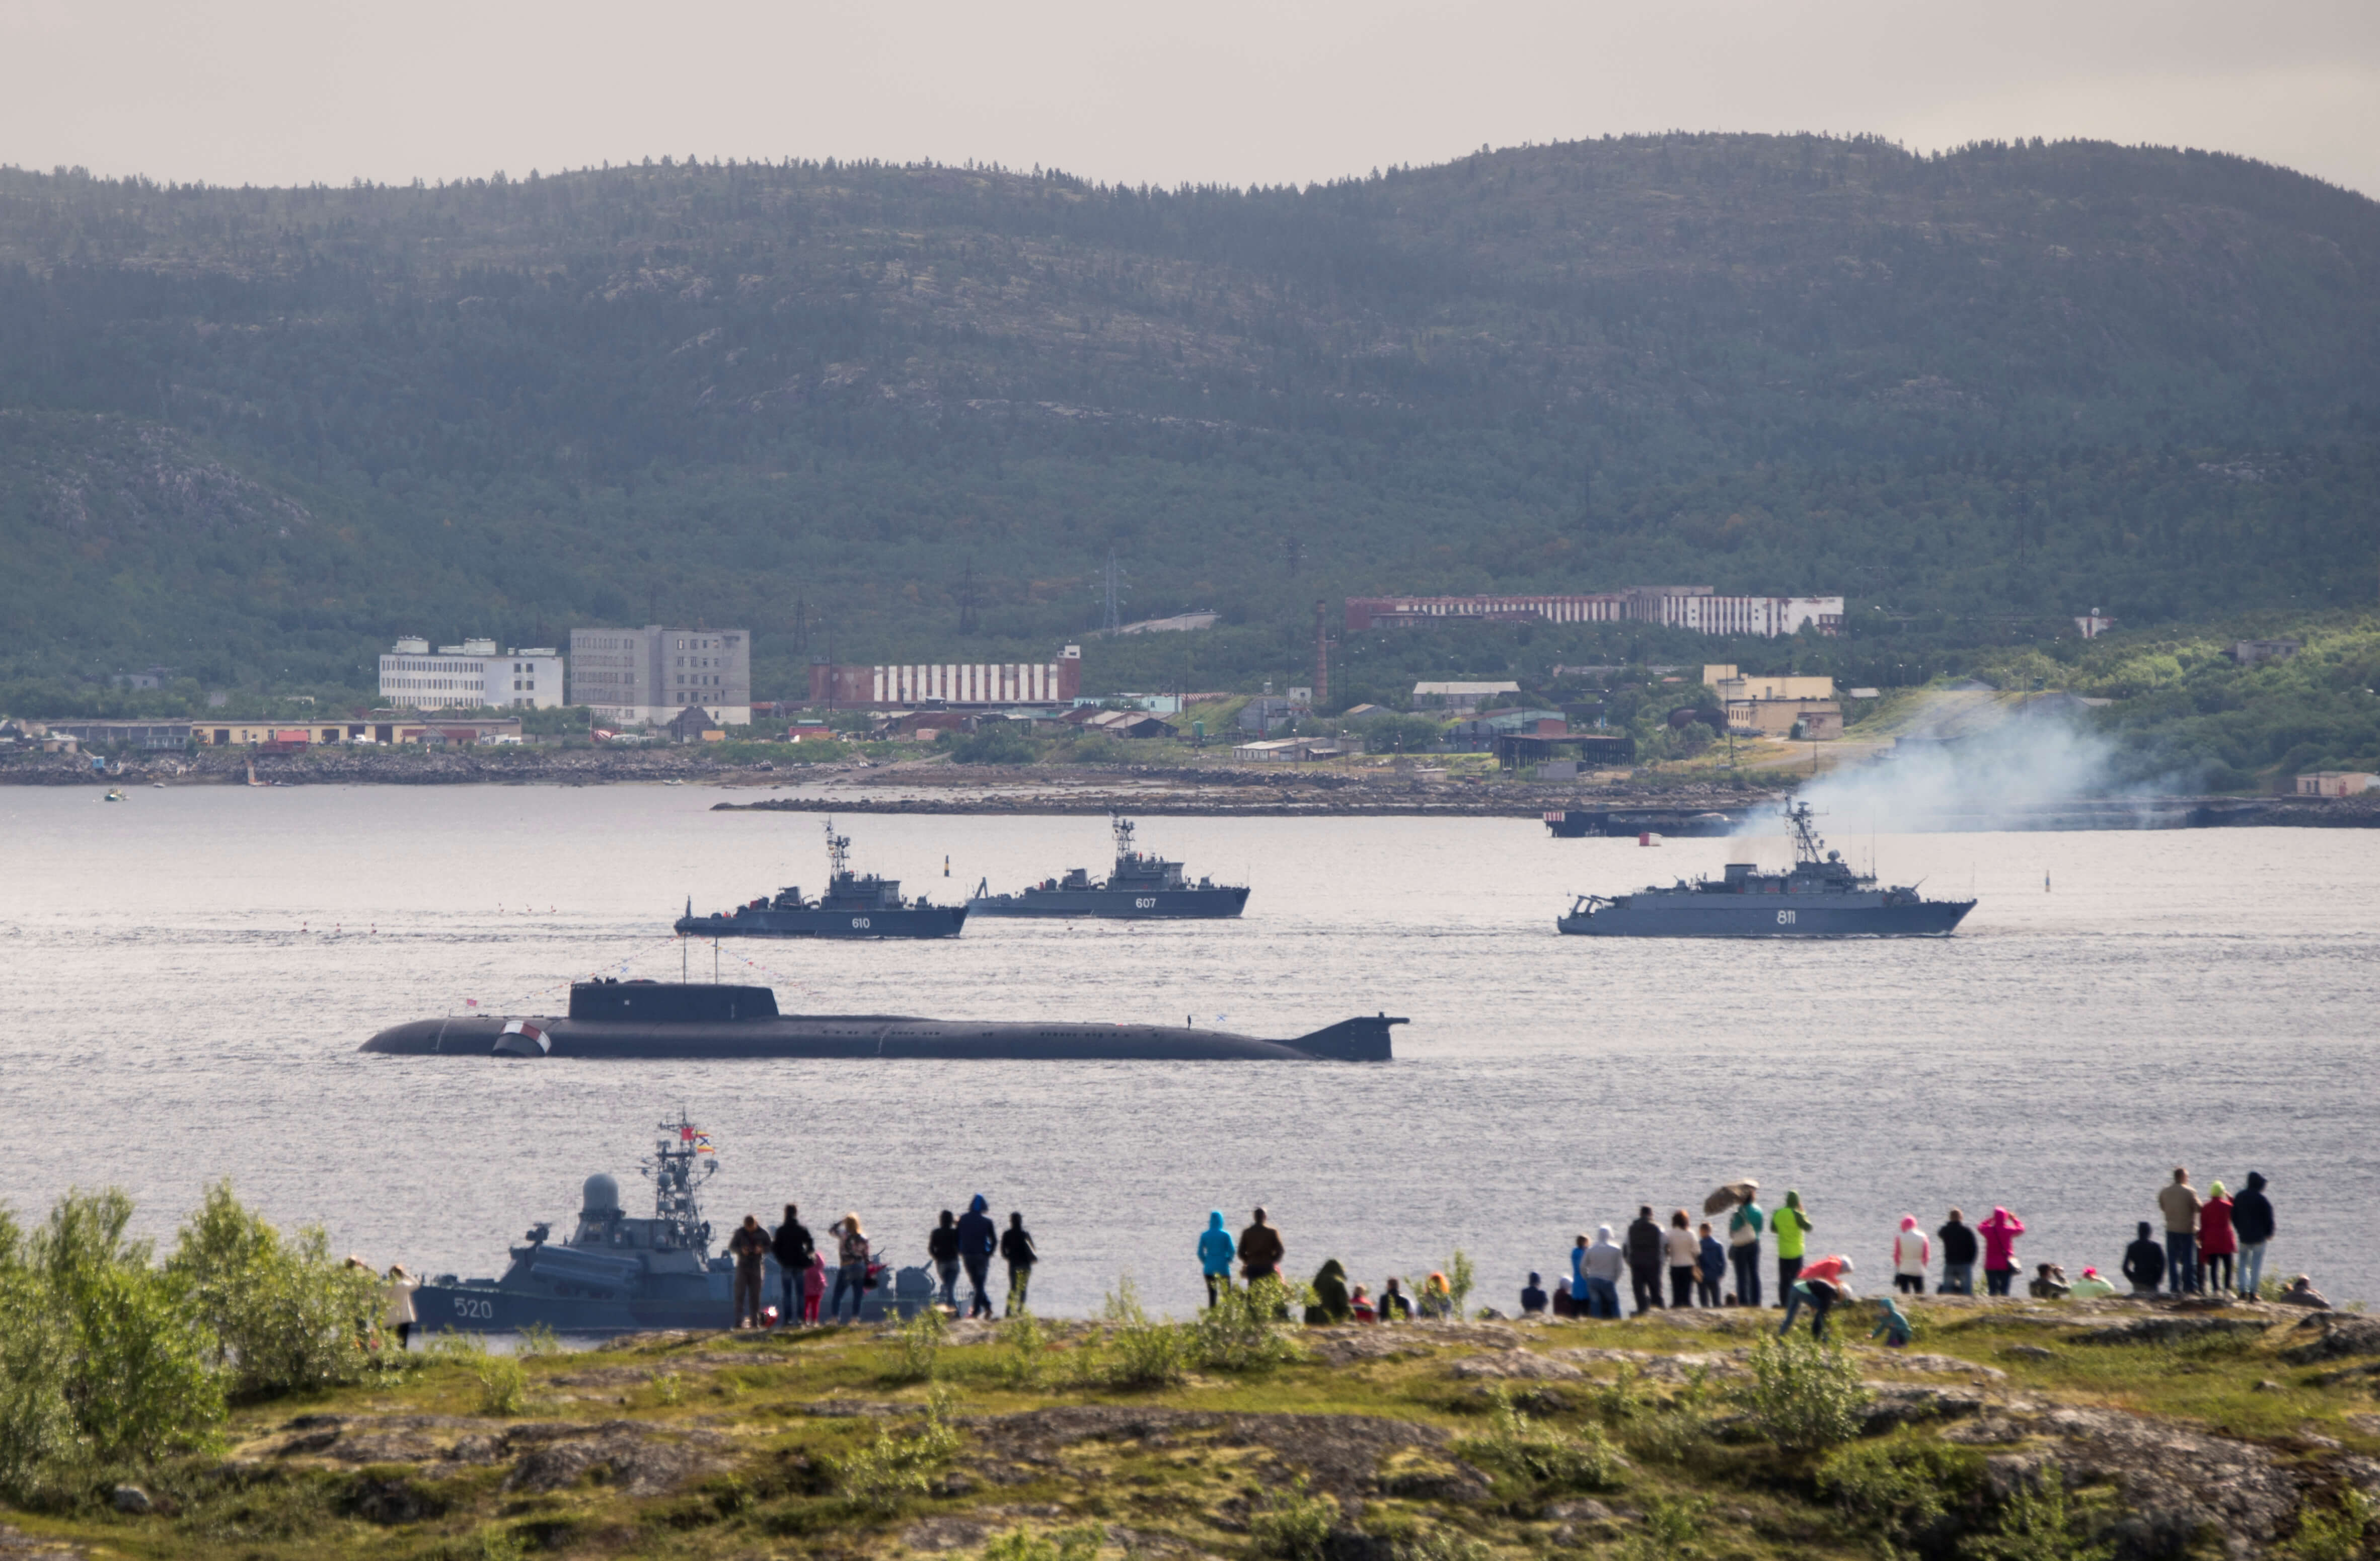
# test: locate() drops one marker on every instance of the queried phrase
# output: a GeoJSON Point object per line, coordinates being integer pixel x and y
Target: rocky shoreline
{"type": "Point", "coordinates": [936, 786]}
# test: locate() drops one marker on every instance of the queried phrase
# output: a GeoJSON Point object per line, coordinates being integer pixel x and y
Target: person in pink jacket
{"type": "Point", "coordinates": [1999, 1234]}
{"type": "Point", "coordinates": [1911, 1253]}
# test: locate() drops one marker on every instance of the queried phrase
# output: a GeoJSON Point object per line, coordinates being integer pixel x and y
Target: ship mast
{"type": "Point", "coordinates": [838, 852]}
{"type": "Point", "coordinates": [677, 1209]}
{"type": "Point", "coordinates": [1807, 847]}
{"type": "Point", "coordinates": [1122, 828]}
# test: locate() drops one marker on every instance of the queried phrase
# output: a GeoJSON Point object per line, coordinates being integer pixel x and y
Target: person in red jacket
{"type": "Point", "coordinates": [2216, 1241]}
{"type": "Point", "coordinates": [2000, 1233]}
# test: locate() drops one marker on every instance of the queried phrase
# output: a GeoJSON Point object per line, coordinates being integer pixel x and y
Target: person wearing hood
{"type": "Point", "coordinates": [2091, 1287]}
{"type": "Point", "coordinates": [979, 1239]}
{"type": "Point", "coordinates": [1216, 1250]}
{"type": "Point", "coordinates": [1957, 1239]}
{"type": "Point", "coordinates": [1910, 1253]}
{"type": "Point", "coordinates": [1818, 1285]}
{"type": "Point", "coordinates": [2252, 1222]}
{"type": "Point", "coordinates": [1644, 1259]}
{"type": "Point", "coordinates": [1791, 1225]}
{"type": "Point", "coordinates": [2000, 1233]}
{"type": "Point", "coordinates": [1743, 1227]}
{"type": "Point", "coordinates": [1533, 1297]}
{"type": "Point", "coordinates": [1893, 1325]}
{"type": "Point", "coordinates": [1600, 1264]}
{"type": "Point", "coordinates": [1330, 1296]}
{"type": "Point", "coordinates": [2144, 1262]}
{"type": "Point", "coordinates": [1261, 1250]}
{"type": "Point", "coordinates": [2215, 1241]}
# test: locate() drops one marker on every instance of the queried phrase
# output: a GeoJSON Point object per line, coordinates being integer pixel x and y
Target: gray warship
{"type": "Point", "coordinates": [617, 1274]}
{"type": "Point", "coordinates": [1821, 896]}
{"type": "Point", "coordinates": [852, 906]}
{"type": "Point", "coordinates": [1139, 888]}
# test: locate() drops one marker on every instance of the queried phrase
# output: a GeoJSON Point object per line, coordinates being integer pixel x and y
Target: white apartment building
{"type": "Point", "coordinates": [470, 676]}
{"type": "Point", "coordinates": [652, 676]}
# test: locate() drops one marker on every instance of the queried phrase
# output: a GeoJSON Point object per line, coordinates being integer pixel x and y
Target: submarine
{"type": "Point", "coordinates": [686, 1020]}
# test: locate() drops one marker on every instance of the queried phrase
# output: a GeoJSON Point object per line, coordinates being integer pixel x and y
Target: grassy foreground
{"type": "Point", "coordinates": [2009, 1429]}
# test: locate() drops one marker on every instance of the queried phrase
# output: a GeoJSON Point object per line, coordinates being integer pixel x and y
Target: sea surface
{"type": "Point", "coordinates": [187, 973]}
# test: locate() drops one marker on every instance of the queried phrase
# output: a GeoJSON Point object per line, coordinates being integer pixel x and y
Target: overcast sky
{"type": "Point", "coordinates": [277, 91]}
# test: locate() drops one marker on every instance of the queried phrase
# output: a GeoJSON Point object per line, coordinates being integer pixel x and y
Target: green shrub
{"type": "Point", "coordinates": [285, 1315]}
{"type": "Point", "coordinates": [2343, 1534]}
{"type": "Point", "coordinates": [1024, 1544]}
{"type": "Point", "coordinates": [2039, 1522]}
{"type": "Point", "coordinates": [1025, 1349]}
{"type": "Point", "coordinates": [1143, 1351]}
{"type": "Point", "coordinates": [536, 1340]}
{"type": "Point", "coordinates": [892, 1470]}
{"type": "Point", "coordinates": [916, 1347]}
{"type": "Point", "coordinates": [137, 1377]}
{"type": "Point", "coordinates": [1902, 1487]}
{"type": "Point", "coordinates": [1544, 1456]}
{"type": "Point", "coordinates": [503, 1385]}
{"type": "Point", "coordinates": [1242, 1331]}
{"type": "Point", "coordinates": [1804, 1395]}
{"type": "Point", "coordinates": [1668, 1531]}
{"type": "Point", "coordinates": [1294, 1524]}
{"type": "Point", "coordinates": [997, 743]}
{"type": "Point", "coordinates": [37, 1428]}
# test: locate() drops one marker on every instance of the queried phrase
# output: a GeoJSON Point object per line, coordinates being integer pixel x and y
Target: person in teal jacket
{"type": "Point", "coordinates": [1215, 1254]}
{"type": "Point", "coordinates": [1893, 1325]}
{"type": "Point", "coordinates": [1743, 1227]}
{"type": "Point", "coordinates": [1791, 1225]}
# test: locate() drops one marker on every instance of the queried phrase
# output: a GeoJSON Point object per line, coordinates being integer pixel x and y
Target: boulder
{"type": "Point", "coordinates": [2335, 1334]}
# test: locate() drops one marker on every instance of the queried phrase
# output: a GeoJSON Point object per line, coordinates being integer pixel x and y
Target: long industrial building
{"type": "Point", "coordinates": [984, 683]}
{"type": "Point", "coordinates": [1698, 608]}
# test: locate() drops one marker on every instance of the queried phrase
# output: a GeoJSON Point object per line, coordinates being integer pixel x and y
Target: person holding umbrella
{"type": "Point", "coordinates": [1743, 1227]}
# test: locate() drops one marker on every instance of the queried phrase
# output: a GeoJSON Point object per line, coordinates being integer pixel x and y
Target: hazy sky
{"type": "Point", "coordinates": [291, 90]}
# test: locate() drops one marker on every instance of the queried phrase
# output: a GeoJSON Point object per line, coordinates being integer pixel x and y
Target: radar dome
{"type": "Point", "coordinates": [603, 1194]}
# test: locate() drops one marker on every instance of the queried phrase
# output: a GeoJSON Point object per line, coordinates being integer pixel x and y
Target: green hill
{"type": "Point", "coordinates": [253, 432]}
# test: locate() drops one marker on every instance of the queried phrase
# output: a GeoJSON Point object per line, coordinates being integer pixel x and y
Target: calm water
{"type": "Point", "coordinates": [189, 972]}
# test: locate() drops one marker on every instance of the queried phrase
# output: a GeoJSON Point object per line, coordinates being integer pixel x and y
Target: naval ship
{"type": "Point", "coordinates": [616, 1274]}
{"type": "Point", "coordinates": [852, 906]}
{"type": "Point", "coordinates": [1821, 896]}
{"type": "Point", "coordinates": [683, 1020]}
{"type": "Point", "coordinates": [1137, 887]}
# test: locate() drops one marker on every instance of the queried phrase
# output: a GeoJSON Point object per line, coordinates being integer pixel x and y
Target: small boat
{"type": "Point", "coordinates": [113, 795]}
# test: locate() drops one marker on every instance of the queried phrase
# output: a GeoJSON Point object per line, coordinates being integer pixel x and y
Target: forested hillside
{"type": "Point", "coordinates": [253, 432]}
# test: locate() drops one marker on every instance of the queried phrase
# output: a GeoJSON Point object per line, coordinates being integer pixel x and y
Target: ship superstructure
{"type": "Point", "coordinates": [1820, 896]}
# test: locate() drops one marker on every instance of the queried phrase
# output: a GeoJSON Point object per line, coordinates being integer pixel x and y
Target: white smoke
{"type": "Point", "coordinates": [2029, 771]}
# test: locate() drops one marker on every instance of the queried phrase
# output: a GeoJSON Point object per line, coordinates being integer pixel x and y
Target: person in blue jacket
{"type": "Point", "coordinates": [1215, 1254]}
{"type": "Point", "coordinates": [979, 1239]}
{"type": "Point", "coordinates": [1713, 1268]}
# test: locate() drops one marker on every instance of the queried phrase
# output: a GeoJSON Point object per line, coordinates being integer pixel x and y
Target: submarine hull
{"type": "Point", "coordinates": [874, 1035]}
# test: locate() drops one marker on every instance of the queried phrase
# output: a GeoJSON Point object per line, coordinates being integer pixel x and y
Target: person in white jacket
{"type": "Point", "coordinates": [1683, 1254]}
{"type": "Point", "coordinates": [398, 1314]}
{"type": "Point", "coordinates": [1910, 1253]}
